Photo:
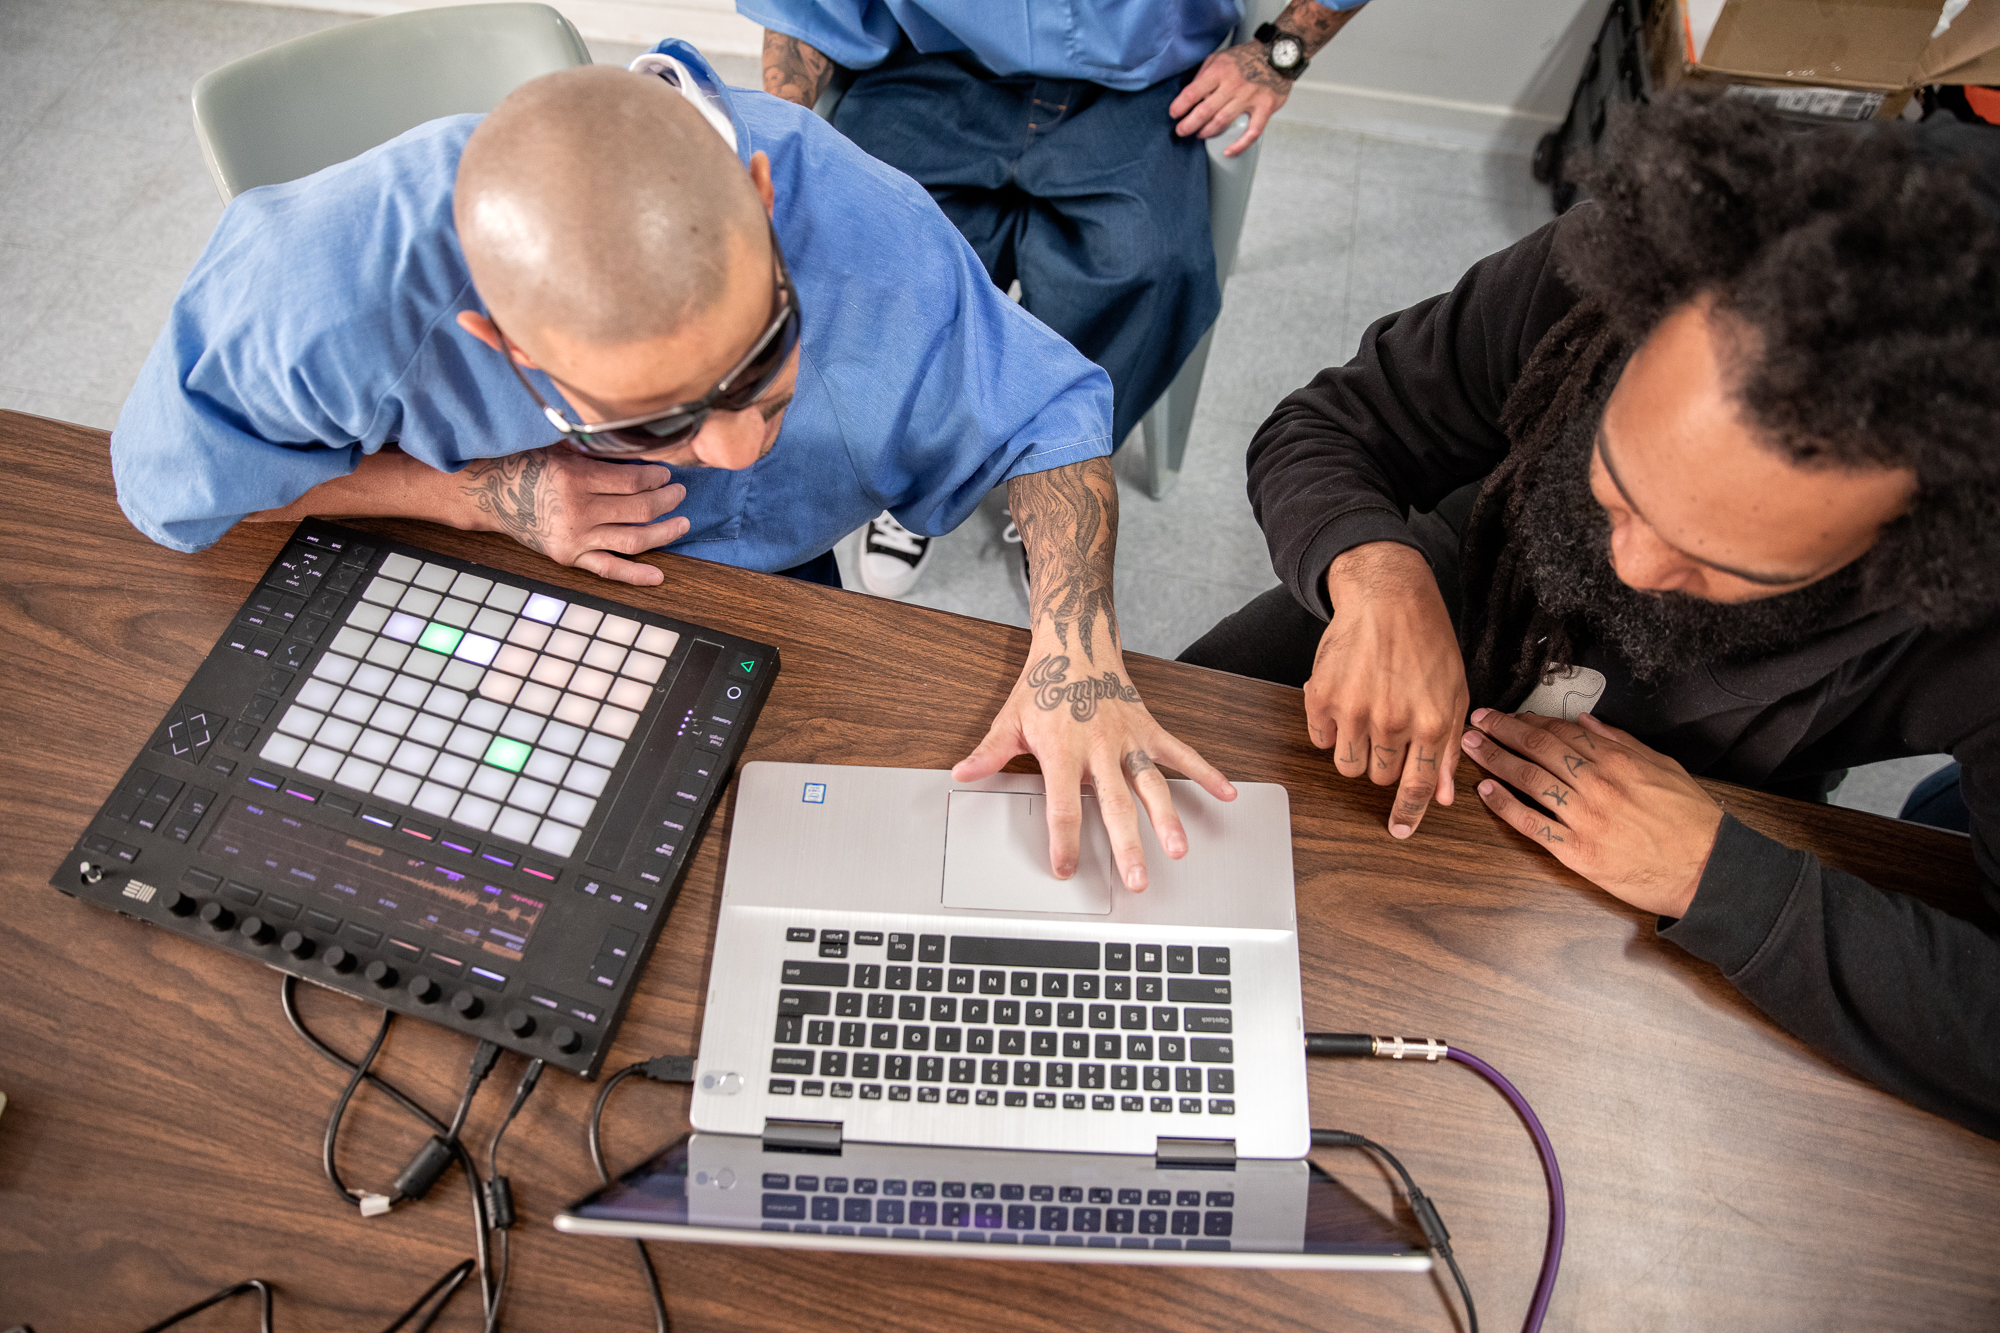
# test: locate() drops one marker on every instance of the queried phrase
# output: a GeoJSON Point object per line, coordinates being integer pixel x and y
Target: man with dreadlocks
{"type": "Point", "coordinates": [1714, 458]}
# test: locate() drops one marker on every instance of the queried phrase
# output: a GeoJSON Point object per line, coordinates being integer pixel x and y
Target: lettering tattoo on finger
{"type": "Point", "coordinates": [1574, 763]}
{"type": "Point", "coordinates": [1137, 762]}
{"type": "Point", "coordinates": [1352, 756]}
{"type": "Point", "coordinates": [513, 492]}
{"type": "Point", "coordinates": [1319, 737]}
{"type": "Point", "coordinates": [1548, 834]}
{"type": "Point", "coordinates": [1049, 679]}
{"type": "Point", "coordinates": [1557, 794]}
{"type": "Point", "coordinates": [1426, 760]}
{"type": "Point", "coordinates": [1384, 755]}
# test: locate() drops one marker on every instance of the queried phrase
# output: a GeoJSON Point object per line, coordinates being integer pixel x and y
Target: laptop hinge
{"type": "Point", "coordinates": [1198, 1154]}
{"type": "Point", "coordinates": [818, 1136]}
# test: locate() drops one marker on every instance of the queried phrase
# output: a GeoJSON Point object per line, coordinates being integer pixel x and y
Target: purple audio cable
{"type": "Point", "coordinates": [1431, 1050]}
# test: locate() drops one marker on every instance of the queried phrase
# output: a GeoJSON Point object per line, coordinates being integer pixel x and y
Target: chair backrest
{"type": "Point", "coordinates": [308, 103]}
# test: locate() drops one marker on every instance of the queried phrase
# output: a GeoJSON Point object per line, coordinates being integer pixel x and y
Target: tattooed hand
{"type": "Point", "coordinates": [1387, 694]}
{"type": "Point", "coordinates": [1073, 706]}
{"type": "Point", "coordinates": [1240, 80]}
{"type": "Point", "coordinates": [1625, 817]}
{"type": "Point", "coordinates": [575, 510]}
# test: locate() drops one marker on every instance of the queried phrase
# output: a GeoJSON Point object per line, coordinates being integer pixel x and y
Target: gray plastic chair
{"type": "Point", "coordinates": [305, 104]}
{"type": "Point", "coordinates": [1164, 428]}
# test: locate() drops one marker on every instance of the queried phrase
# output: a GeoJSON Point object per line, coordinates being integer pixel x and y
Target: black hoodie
{"type": "Point", "coordinates": [1898, 992]}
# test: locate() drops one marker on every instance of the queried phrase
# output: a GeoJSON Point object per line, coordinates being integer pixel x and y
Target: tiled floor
{"type": "Point", "coordinates": [105, 203]}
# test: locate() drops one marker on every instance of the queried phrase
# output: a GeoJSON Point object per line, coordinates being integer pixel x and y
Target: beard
{"type": "Point", "coordinates": [1567, 559]}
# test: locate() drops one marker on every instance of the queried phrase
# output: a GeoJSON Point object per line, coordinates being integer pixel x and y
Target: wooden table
{"type": "Point", "coordinates": [162, 1134]}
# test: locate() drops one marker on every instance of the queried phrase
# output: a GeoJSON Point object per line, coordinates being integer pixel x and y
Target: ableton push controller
{"type": "Point", "coordinates": [458, 793]}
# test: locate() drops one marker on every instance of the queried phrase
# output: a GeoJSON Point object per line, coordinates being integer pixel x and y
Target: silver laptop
{"type": "Point", "coordinates": [917, 1036]}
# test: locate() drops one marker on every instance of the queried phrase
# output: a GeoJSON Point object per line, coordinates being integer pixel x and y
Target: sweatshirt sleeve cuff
{"type": "Point", "coordinates": [1341, 534]}
{"type": "Point", "coordinates": [1743, 891]}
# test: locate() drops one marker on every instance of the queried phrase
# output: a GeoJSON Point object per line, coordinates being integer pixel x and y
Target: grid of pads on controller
{"type": "Point", "coordinates": [477, 701]}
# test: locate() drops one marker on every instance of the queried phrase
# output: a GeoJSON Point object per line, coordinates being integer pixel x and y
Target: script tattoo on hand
{"type": "Point", "coordinates": [1068, 518]}
{"type": "Point", "coordinates": [1253, 63]}
{"type": "Point", "coordinates": [513, 492]}
{"type": "Point", "coordinates": [1557, 795]}
{"type": "Point", "coordinates": [1384, 756]}
{"type": "Point", "coordinates": [1548, 834]}
{"type": "Point", "coordinates": [1352, 756]}
{"type": "Point", "coordinates": [1573, 763]}
{"type": "Point", "coordinates": [794, 71]}
{"type": "Point", "coordinates": [1426, 760]}
{"type": "Point", "coordinates": [1049, 679]}
{"type": "Point", "coordinates": [1138, 761]}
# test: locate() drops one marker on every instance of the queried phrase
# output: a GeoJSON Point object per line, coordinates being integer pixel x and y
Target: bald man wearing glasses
{"type": "Point", "coordinates": [633, 310]}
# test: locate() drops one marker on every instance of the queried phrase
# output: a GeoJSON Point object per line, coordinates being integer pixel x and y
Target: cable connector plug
{"type": "Point", "coordinates": [1355, 1045]}
{"type": "Point", "coordinates": [374, 1205]}
{"type": "Point", "coordinates": [669, 1069]}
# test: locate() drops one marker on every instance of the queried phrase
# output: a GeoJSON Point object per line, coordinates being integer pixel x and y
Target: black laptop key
{"type": "Point", "coordinates": [1212, 962]}
{"type": "Point", "coordinates": [847, 1004]}
{"type": "Point", "coordinates": [897, 978]}
{"type": "Point", "coordinates": [984, 951]}
{"type": "Point", "coordinates": [798, 973]}
{"type": "Point", "coordinates": [791, 1030]}
{"type": "Point", "coordinates": [791, 1062]}
{"type": "Point", "coordinates": [1192, 990]}
{"type": "Point", "coordinates": [1180, 958]}
{"type": "Point", "coordinates": [1208, 1020]}
{"type": "Point", "coordinates": [1130, 1017]}
{"type": "Point", "coordinates": [805, 1002]}
{"type": "Point", "coordinates": [1013, 1041]}
{"type": "Point", "coordinates": [1148, 958]}
{"type": "Point", "coordinates": [910, 1008]}
{"type": "Point", "coordinates": [901, 948]}
{"type": "Point", "coordinates": [1222, 1081]}
{"type": "Point", "coordinates": [930, 949]}
{"type": "Point", "coordinates": [916, 1038]}
{"type": "Point", "coordinates": [992, 981]}
{"type": "Point", "coordinates": [800, 934]}
{"type": "Point", "coordinates": [1150, 989]}
{"type": "Point", "coordinates": [930, 978]}
{"type": "Point", "coordinates": [1212, 1050]}
{"type": "Point", "coordinates": [881, 1006]}
{"type": "Point", "coordinates": [819, 1032]}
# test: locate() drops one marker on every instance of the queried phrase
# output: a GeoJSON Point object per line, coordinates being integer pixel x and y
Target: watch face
{"type": "Point", "coordinates": [1286, 52]}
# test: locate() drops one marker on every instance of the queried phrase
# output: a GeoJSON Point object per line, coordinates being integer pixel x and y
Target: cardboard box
{"type": "Point", "coordinates": [1824, 59]}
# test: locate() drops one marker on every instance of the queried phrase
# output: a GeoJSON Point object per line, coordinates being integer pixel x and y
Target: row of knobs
{"type": "Point", "coordinates": [379, 973]}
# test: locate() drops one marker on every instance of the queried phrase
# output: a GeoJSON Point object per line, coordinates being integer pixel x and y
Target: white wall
{"type": "Point", "coordinates": [1490, 74]}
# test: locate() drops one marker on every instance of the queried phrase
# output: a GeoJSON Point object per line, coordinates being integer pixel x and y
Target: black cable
{"type": "Point", "coordinates": [448, 1285]}
{"type": "Point", "coordinates": [288, 999]}
{"type": "Point", "coordinates": [1426, 1212]}
{"type": "Point", "coordinates": [340, 1109]}
{"type": "Point", "coordinates": [500, 1195]}
{"type": "Point", "coordinates": [257, 1285]}
{"type": "Point", "coordinates": [663, 1069]}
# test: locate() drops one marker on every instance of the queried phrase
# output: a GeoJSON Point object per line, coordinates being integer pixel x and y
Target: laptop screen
{"type": "Point", "coordinates": [1070, 1207]}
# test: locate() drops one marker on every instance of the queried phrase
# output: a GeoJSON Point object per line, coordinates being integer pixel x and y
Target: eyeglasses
{"type": "Point", "coordinates": [747, 382]}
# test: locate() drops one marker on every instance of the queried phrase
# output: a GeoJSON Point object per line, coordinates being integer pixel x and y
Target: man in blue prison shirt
{"type": "Point", "coordinates": [1065, 141]}
{"type": "Point", "coordinates": [334, 316]}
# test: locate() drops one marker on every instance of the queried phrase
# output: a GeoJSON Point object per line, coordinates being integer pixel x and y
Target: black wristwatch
{"type": "Point", "coordinates": [1286, 51]}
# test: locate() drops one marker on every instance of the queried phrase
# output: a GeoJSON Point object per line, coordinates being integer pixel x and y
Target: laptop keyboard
{"type": "Point", "coordinates": [1055, 1025]}
{"type": "Point", "coordinates": [1001, 1214]}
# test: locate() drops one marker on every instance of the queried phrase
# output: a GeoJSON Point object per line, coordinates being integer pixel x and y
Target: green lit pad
{"type": "Point", "coordinates": [440, 638]}
{"type": "Point", "coordinates": [507, 753]}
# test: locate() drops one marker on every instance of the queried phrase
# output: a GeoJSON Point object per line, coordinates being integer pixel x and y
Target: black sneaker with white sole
{"type": "Point", "coordinates": [892, 557]}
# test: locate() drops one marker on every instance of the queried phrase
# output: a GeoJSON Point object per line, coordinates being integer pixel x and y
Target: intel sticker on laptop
{"type": "Point", "coordinates": [815, 793]}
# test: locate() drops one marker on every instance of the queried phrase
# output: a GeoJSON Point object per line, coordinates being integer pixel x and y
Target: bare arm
{"type": "Point", "coordinates": [1074, 708]}
{"type": "Point", "coordinates": [793, 70]}
{"type": "Point", "coordinates": [575, 510]}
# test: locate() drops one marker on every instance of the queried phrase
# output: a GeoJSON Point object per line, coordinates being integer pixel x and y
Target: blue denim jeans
{"type": "Point", "coordinates": [1082, 192]}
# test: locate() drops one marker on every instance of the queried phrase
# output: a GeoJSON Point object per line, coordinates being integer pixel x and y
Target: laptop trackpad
{"type": "Point", "coordinates": [996, 856]}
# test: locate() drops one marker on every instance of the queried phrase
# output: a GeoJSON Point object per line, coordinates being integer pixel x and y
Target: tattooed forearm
{"type": "Point", "coordinates": [1068, 519]}
{"type": "Point", "coordinates": [511, 490]}
{"type": "Point", "coordinates": [1049, 679]}
{"type": "Point", "coordinates": [1314, 22]}
{"type": "Point", "coordinates": [793, 70]}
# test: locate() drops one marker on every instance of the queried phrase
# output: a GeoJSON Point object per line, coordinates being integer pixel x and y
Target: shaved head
{"type": "Point", "coordinates": [599, 206]}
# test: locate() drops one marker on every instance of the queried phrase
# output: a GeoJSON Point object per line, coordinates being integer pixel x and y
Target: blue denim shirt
{"type": "Point", "coordinates": [1123, 44]}
{"type": "Point", "coordinates": [320, 323]}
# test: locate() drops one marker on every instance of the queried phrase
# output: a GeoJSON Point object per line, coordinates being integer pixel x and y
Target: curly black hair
{"type": "Point", "coordinates": [1864, 261]}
